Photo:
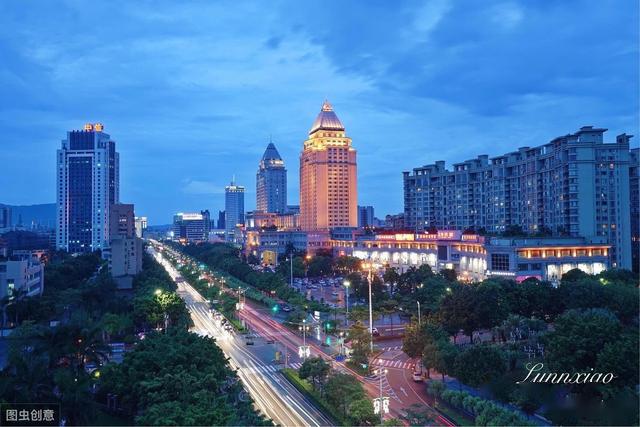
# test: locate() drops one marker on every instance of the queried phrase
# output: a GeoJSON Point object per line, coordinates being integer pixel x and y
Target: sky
{"type": "Point", "coordinates": [192, 91]}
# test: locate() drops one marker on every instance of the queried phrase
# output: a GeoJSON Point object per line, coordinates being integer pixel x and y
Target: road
{"type": "Point", "coordinates": [271, 392]}
{"type": "Point", "coordinates": [397, 382]}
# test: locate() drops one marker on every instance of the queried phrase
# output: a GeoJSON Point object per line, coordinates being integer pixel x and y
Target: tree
{"type": "Point", "coordinates": [490, 306]}
{"type": "Point", "coordinates": [360, 344]}
{"type": "Point", "coordinates": [319, 266]}
{"type": "Point", "coordinates": [479, 364]}
{"type": "Point", "coordinates": [449, 274]}
{"type": "Point", "coordinates": [419, 415]}
{"type": "Point", "coordinates": [413, 341]}
{"type": "Point", "coordinates": [316, 369]}
{"type": "Point", "coordinates": [347, 264]}
{"type": "Point", "coordinates": [361, 413]}
{"type": "Point", "coordinates": [578, 338]}
{"type": "Point", "coordinates": [619, 357]}
{"type": "Point", "coordinates": [457, 310]}
{"type": "Point", "coordinates": [342, 390]}
{"type": "Point", "coordinates": [440, 355]}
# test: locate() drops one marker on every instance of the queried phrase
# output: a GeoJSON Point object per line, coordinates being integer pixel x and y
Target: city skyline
{"type": "Point", "coordinates": [225, 116]}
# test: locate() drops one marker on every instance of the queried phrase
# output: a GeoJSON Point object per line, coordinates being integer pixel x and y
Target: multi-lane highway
{"type": "Point", "coordinates": [272, 393]}
{"type": "Point", "coordinates": [397, 382]}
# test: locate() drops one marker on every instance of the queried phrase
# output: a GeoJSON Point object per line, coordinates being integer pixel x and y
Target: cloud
{"type": "Point", "coordinates": [196, 187]}
{"type": "Point", "coordinates": [192, 92]}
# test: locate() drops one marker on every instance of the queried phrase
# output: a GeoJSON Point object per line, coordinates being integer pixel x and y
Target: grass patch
{"type": "Point", "coordinates": [305, 388]}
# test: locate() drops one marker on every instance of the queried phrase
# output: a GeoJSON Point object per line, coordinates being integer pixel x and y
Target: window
{"type": "Point", "coordinates": [500, 262]}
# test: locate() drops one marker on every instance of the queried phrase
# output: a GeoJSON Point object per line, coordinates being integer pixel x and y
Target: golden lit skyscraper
{"type": "Point", "coordinates": [328, 187]}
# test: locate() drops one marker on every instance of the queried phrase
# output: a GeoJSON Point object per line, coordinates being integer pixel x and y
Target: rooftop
{"type": "Point", "coordinates": [326, 120]}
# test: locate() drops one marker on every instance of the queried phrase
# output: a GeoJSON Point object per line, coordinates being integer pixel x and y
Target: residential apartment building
{"type": "Point", "coordinates": [634, 199]}
{"type": "Point", "coordinates": [575, 185]}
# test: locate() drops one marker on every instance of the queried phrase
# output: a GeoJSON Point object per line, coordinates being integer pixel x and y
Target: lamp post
{"type": "Point", "coordinates": [419, 319]}
{"type": "Point", "coordinates": [381, 401]}
{"type": "Point", "coordinates": [369, 266]}
{"type": "Point", "coordinates": [291, 269]}
{"type": "Point", "coordinates": [304, 351]}
{"type": "Point", "coordinates": [346, 284]}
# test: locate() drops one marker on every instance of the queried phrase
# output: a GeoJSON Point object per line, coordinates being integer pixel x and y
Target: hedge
{"type": "Point", "coordinates": [486, 412]}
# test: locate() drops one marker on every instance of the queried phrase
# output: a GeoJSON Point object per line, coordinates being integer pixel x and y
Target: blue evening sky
{"type": "Point", "coordinates": [192, 91]}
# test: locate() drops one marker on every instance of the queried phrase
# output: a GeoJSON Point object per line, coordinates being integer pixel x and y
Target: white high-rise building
{"type": "Point", "coordinates": [87, 186]}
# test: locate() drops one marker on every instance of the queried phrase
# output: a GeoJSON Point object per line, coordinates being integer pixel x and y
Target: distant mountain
{"type": "Point", "coordinates": [34, 216]}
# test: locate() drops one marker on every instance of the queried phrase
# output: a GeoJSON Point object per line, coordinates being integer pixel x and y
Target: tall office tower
{"type": "Point", "coordinates": [365, 216]}
{"type": "Point", "coordinates": [221, 216]}
{"type": "Point", "coordinates": [328, 180]}
{"type": "Point", "coordinates": [271, 182]}
{"type": "Point", "coordinates": [634, 198]}
{"type": "Point", "coordinates": [233, 208]}
{"type": "Point", "coordinates": [87, 186]}
{"type": "Point", "coordinates": [575, 185]}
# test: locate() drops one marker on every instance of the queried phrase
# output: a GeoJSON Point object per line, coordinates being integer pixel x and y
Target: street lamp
{"type": "Point", "coordinates": [381, 405]}
{"type": "Point", "coordinates": [346, 284]}
{"type": "Point", "coordinates": [419, 320]}
{"type": "Point", "coordinates": [304, 351]}
{"type": "Point", "coordinates": [369, 266]}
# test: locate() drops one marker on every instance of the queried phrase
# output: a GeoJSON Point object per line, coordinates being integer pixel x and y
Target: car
{"type": "Point", "coordinates": [375, 332]}
{"type": "Point", "coordinates": [286, 308]}
{"type": "Point", "coordinates": [335, 294]}
{"type": "Point", "coordinates": [249, 342]}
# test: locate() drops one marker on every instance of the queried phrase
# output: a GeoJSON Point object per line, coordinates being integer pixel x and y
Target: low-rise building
{"type": "Point", "coordinates": [21, 275]}
{"type": "Point", "coordinates": [475, 257]}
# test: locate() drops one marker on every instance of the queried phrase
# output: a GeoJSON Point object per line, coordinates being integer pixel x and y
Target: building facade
{"type": "Point", "coordinates": [365, 216]}
{"type": "Point", "coordinates": [328, 177]}
{"type": "Point", "coordinates": [233, 209]}
{"type": "Point", "coordinates": [125, 247]}
{"type": "Point", "coordinates": [475, 258]}
{"type": "Point", "coordinates": [271, 182]}
{"type": "Point", "coordinates": [191, 227]}
{"type": "Point", "coordinates": [634, 199]}
{"type": "Point", "coordinates": [86, 187]}
{"type": "Point", "coordinates": [21, 275]}
{"type": "Point", "coordinates": [575, 185]}
{"type": "Point", "coordinates": [141, 225]}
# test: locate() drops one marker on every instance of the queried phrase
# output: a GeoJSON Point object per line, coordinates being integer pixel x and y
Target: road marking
{"type": "Point", "coordinates": [404, 391]}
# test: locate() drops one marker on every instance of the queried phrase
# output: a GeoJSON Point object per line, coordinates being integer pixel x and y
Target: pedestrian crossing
{"type": "Point", "coordinates": [398, 347]}
{"type": "Point", "coordinates": [387, 390]}
{"type": "Point", "coordinates": [398, 364]}
{"type": "Point", "coordinates": [265, 369]}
